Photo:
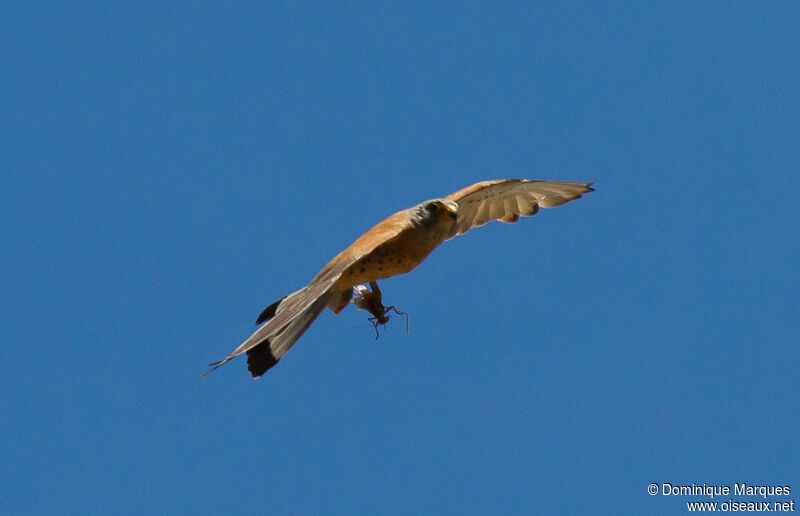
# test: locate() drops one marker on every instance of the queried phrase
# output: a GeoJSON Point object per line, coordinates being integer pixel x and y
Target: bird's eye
{"type": "Point", "coordinates": [433, 207]}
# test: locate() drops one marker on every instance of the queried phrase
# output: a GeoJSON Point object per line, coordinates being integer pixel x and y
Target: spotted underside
{"type": "Point", "coordinates": [396, 257]}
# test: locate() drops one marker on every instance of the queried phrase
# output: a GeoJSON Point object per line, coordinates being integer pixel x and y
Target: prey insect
{"type": "Point", "coordinates": [371, 301]}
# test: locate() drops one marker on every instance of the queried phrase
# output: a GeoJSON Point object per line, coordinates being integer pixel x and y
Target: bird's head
{"type": "Point", "coordinates": [435, 213]}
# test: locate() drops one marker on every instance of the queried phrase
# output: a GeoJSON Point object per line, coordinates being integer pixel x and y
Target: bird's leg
{"type": "Point", "coordinates": [337, 305]}
{"type": "Point", "coordinates": [376, 292]}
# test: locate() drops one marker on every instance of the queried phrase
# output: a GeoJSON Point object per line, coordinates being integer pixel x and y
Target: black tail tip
{"type": "Point", "coordinates": [260, 359]}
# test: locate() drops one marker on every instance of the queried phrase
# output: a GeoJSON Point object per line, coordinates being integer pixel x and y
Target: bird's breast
{"type": "Point", "coordinates": [397, 256]}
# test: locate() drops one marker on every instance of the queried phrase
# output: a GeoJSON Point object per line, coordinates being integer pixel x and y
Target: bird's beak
{"type": "Point", "coordinates": [452, 210]}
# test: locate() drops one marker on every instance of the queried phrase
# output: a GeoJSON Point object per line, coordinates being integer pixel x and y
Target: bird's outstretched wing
{"type": "Point", "coordinates": [507, 200]}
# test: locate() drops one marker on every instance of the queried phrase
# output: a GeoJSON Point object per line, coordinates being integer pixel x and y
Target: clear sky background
{"type": "Point", "coordinates": [168, 169]}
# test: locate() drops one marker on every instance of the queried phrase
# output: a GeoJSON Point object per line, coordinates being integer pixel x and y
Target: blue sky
{"type": "Point", "coordinates": [169, 169]}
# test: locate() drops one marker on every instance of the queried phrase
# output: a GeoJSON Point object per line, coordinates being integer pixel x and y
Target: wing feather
{"type": "Point", "coordinates": [508, 199]}
{"type": "Point", "coordinates": [511, 210]}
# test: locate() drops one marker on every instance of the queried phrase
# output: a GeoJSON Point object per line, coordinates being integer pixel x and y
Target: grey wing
{"type": "Point", "coordinates": [507, 200]}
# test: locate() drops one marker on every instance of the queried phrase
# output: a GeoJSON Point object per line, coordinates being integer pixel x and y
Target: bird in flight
{"type": "Point", "coordinates": [394, 246]}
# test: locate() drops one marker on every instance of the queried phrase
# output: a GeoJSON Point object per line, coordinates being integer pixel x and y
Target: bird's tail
{"type": "Point", "coordinates": [285, 321]}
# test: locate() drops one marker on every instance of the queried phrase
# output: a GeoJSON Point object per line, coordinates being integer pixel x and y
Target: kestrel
{"type": "Point", "coordinates": [394, 246]}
